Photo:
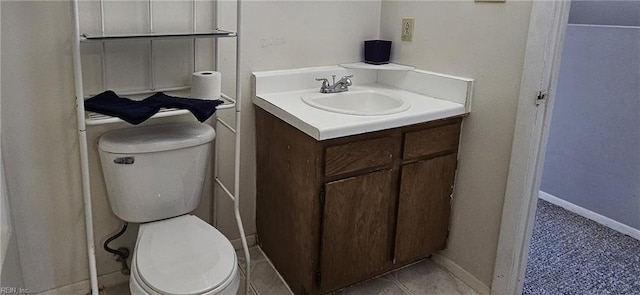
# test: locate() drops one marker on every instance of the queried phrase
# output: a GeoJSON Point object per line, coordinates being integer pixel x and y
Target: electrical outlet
{"type": "Point", "coordinates": [407, 29]}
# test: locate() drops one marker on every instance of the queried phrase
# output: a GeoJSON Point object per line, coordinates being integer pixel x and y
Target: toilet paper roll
{"type": "Point", "coordinates": [206, 85]}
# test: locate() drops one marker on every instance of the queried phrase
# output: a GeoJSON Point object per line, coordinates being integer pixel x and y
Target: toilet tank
{"type": "Point", "coordinates": [155, 172]}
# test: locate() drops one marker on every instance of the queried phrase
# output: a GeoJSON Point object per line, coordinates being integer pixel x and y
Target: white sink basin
{"type": "Point", "coordinates": [365, 102]}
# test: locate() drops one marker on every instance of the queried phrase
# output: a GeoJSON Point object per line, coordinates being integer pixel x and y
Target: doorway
{"type": "Point", "coordinates": [548, 20]}
{"type": "Point", "coordinates": [583, 240]}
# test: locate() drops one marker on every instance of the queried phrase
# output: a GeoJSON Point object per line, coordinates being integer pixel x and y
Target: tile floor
{"type": "Point", "coordinates": [422, 278]}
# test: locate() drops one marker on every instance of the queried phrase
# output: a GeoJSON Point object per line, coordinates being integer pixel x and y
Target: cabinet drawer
{"type": "Point", "coordinates": [431, 141]}
{"type": "Point", "coordinates": [360, 155]}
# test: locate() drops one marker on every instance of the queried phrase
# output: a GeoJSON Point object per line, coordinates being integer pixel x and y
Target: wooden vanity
{"type": "Point", "coordinates": [332, 213]}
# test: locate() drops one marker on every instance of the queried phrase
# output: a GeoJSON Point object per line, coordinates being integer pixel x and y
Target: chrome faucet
{"type": "Point", "coordinates": [341, 86]}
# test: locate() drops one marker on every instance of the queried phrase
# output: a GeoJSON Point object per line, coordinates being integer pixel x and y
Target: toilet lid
{"type": "Point", "coordinates": [183, 255]}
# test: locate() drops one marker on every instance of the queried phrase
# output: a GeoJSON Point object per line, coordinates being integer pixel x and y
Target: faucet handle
{"type": "Point", "coordinates": [347, 80]}
{"type": "Point", "coordinates": [325, 84]}
{"type": "Point", "coordinates": [325, 81]}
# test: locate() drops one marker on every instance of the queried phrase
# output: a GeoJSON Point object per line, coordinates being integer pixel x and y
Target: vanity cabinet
{"type": "Point", "coordinates": [335, 212]}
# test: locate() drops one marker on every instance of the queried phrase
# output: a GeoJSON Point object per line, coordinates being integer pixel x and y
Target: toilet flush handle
{"type": "Point", "coordinates": [125, 160]}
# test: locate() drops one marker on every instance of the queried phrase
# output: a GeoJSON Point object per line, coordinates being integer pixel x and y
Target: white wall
{"type": "Point", "coordinates": [10, 268]}
{"type": "Point", "coordinates": [282, 35]}
{"type": "Point", "coordinates": [486, 42]}
{"type": "Point", "coordinates": [39, 131]}
{"type": "Point", "coordinates": [5, 220]}
{"type": "Point", "coordinates": [39, 143]}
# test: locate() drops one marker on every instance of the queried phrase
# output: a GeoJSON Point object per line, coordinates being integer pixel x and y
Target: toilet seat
{"type": "Point", "coordinates": [138, 287]}
{"type": "Point", "coordinates": [183, 256]}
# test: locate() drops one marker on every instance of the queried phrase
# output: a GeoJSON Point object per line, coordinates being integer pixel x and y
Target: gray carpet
{"type": "Point", "coordinates": [573, 255]}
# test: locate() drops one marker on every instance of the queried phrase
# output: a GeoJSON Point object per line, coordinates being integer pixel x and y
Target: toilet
{"type": "Point", "coordinates": [154, 176]}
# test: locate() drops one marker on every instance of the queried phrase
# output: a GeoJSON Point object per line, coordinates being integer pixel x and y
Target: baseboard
{"type": "Point", "coordinates": [84, 287]}
{"type": "Point", "coordinates": [606, 221]}
{"type": "Point", "coordinates": [461, 274]}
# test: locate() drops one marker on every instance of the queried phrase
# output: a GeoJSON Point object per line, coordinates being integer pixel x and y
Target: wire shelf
{"type": "Point", "coordinates": [100, 37]}
{"type": "Point", "coordinates": [92, 118]}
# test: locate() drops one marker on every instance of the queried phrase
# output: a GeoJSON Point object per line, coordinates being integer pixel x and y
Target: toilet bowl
{"type": "Point", "coordinates": [154, 176]}
{"type": "Point", "coordinates": [183, 255]}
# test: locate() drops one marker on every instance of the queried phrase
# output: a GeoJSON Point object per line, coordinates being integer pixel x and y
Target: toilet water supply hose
{"type": "Point", "coordinates": [122, 253]}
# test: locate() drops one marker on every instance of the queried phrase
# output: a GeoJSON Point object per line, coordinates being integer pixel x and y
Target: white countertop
{"type": "Point", "coordinates": [322, 125]}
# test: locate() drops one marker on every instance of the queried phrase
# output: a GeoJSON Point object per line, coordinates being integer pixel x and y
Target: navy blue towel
{"type": "Point", "coordinates": [202, 109]}
{"type": "Point", "coordinates": [136, 112]}
{"type": "Point", "coordinates": [109, 103]}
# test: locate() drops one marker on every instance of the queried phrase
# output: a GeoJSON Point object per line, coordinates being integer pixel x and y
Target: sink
{"type": "Point", "coordinates": [379, 99]}
{"type": "Point", "coordinates": [365, 102]}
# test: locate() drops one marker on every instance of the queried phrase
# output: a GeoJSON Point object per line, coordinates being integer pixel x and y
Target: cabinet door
{"type": "Point", "coordinates": [424, 207]}
{"type": "Point", "coordinates": [357, 228]}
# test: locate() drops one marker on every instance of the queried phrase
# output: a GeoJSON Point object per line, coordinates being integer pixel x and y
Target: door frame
{"type": "Point", "coordinates": [545, 40]}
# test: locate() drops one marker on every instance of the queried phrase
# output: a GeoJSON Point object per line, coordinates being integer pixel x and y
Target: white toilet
{"type": "Point", "coordinates": [154, 176]}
